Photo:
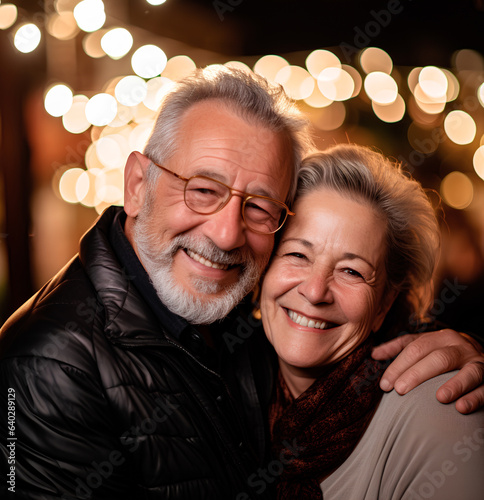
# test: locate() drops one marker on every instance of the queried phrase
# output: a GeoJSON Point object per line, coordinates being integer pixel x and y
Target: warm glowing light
{"type": "Point", "coordinates": [58, 100]}
{"type": "Point", "coordinates": [317, 100]}
{"type": "Point", "coordinates": [381, 87]}
{"type": "Point", "coordinates": [109, 186]}
{"type": "Point", "coordinates": [356, 78]}
{"type": "Point", "coordinates": [269, 66]}
{"type": "Point", "coordinates": [101, 109]}
{"type": "Point", "coordinates": [65, 5]}
{"type": "Point", "coordinates": [27, 38]}
{"type": "Point", "coordinates": [336, 84]}
{"type": "Point", "coordinates": [75, 121]}
{"type": "Point", "coordinates": [457, 190]}
{"type": "Point", "coordinates": [156, 2]}
{"type": "Point", "coordinates": [90, 15]}
{"type": "Point", "coordinates": [123, 116]}
{"type": "Point", "coordinates": [467, 59]}
{"type": "Point", "coordinates": [117, 42]}
{"type": "Point", "coordinates": [148, 61]}
{"type": "Point", "coordinates": [390, 113]}
{"type": "Point", "coordinates": [112, 150]}
{"type": "Point", "coordinates": [68, 184]}
{"type": "Point", "coordinates": [139, 136]}
{"type": "Point", "coordinates": [157, 88]}
{"type": "Point", "coordinates": [92, 44]}
{"type": "Point", "coordinates": [131, 90]}
{"type": "Point", "coordinates": [90, 158]}
{"type": "Point", "coordinates": [179, 67]}
{"type": "Point", "coordinates": [8, 15]}
{"type": "Point", "coordinates": [480, 94]}
{"type": "Point", "coordinates": [238, 65]}
{"type": "Point", "coordinates": [374, 59]}
{"type": "Point", "coordinates": [297, 82]}
{"type": "Point", "coordinates": [62, 26]}
{"type": "Point", "coordinates": [412, 78]}
{"type": "Point", "coordinates": [460, 127]}
{"type": "Point", "coordinates": [318, 60]}
{"type": "Point", "coordinates": [433, 82]}
{"type": "Point", "coordinates": [85, 187]}
{"type": "Point", "coordinates": [453, 85]}
{"type": "Point", "coordinates": [478, 162]}
{"type": "Point", "coordinates": [331, 117]}
{"type": "Point", "coordinates": [428, 104]}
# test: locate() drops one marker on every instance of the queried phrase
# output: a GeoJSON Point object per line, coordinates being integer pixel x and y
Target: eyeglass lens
{"type": "Point", "coordinates": [206, 196]}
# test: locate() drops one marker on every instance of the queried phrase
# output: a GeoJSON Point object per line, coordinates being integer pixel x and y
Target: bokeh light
{"type": "Point", "coordinates": [433, 82]}
{"type": "Point", "coordinates": [131, 90]}
{"type": "Point", "coordinates": [179, 67]}
{"type": "Point", "coordinates": [117, 42]}
{"type": "Point", "coordinates": [62, 26]}
{"type": "Point", "coordinates": [374, 59]}
{"type": "Point", "coordinates": [90, 15]}
{"type": "Point", "coordinates": [156, 90]}
{"type": "Point", "coordinates": [101, 109]}
{"type": "Point", "coordinates": [460, 127]}
{"type": "Point", "coordinates": [148, 61]}
{"type": "Point", "coordinates": [478, 162]}
{"type": "Point", "coordinates": [91, 44]}
{"type": "Point", "coordinates": [457, 190]}
{"type": "Point", "coordinates": [8, 15]}
{"type": "Point", "coordinates": [480, 94]}
{"type": "Point", "coordinates": [381, 87]}
{"type": "Point", "coordinates": [392, 112]}
{"type": "Point", "coordinates": [68, 185]}
{"type": "Point", "coordinates": [297, 82]}
{"type": "Point", "coordinates": [58, 100]}
{"type": "Point", "coordinates": [75, 120]}
{"type": "Point", "coordinates": [268, 66]}
{"type": "Point", "coordinates": [336, 84]}
{"type": "Point", "coordinates": [27, 38]}
{"type": "Point", "coordinates": [331, 117]}
{"type": "Point", "coordinates": [318, 60]}
{"type": "Point", "coordinates": [156, 2]}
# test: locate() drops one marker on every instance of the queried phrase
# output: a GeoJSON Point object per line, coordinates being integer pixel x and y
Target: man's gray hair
{"type": "Point", "coordinates": [249, 95]}
{"type": "Point", "coordinates": [412, 236]}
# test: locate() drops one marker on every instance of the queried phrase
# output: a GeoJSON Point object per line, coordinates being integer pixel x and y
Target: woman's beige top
{"type": "Point", "coordinates": [414, 449]}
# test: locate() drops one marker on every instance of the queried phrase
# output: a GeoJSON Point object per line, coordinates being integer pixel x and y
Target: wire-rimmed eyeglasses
{"type": "Point", "coordinates": [207, 196]}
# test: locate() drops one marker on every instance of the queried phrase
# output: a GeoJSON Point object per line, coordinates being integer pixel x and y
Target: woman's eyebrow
{"type": "Point", "coordinates": [353, 256]}
{"type": "Point", "coordinates": [303, 242]}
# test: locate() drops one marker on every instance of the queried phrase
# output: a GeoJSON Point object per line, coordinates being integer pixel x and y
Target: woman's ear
{"type": "Point", "coordinates": [386, 303]}
{"type": "Point", "coordinates": [135, 183]}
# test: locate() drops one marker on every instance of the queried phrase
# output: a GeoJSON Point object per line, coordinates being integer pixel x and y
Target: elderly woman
{"type": "Point", "coordinates": [359, 254]}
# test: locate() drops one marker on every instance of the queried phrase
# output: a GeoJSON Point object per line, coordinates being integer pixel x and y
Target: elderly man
{"type": "Point", "coordinates": [119, 374]}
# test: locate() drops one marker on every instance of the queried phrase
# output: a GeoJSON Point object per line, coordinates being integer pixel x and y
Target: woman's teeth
{"type": "Point", "coordinates": [303, 321]}
{"type": "Point", "coordinates": [205, 262]}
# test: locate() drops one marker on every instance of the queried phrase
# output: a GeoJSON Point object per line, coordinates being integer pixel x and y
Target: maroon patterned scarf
{"type": "Point", "coordinates": [315, 433]}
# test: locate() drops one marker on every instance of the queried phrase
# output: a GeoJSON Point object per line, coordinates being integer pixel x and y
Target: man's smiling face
{"type": "Point", "coordinates": [210, 258]}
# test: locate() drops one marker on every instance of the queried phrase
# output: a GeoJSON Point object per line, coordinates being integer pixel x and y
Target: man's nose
{"type": "Point", "coordinates": [316, 287]}
{"type": "Point", "coordinates": [227, 228]}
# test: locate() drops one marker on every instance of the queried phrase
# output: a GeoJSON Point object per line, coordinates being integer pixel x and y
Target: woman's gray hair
{"type": "Point", "coordinates": [249, 95]}
{"type": "Point", "coordinates": [413, 235]}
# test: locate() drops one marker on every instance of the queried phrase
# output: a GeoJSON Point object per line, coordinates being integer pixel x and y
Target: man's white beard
{"type": "Point", "coordinates": [157, 259]}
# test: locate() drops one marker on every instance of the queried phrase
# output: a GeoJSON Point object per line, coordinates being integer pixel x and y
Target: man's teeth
{"type": "Point", "coordinates": [303, 321]}
{"type": "Point", "coordinates": [205, 262]}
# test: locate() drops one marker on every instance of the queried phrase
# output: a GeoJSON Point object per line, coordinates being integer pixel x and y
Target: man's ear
{"type": "Point", "coordinates": [386, 303]}
{"type": "Point", "coordinates": [135, 183]}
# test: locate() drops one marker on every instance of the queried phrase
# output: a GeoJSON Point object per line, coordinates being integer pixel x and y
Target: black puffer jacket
{"type": "Point", "coordinates": [109, 406]}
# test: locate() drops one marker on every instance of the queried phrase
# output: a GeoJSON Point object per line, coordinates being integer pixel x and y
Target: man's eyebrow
{"type": "Point", "coordinates": [218, 177]}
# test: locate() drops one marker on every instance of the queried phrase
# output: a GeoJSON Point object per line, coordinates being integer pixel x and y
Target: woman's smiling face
{"type": "Point", "coordinates": [323, 292]}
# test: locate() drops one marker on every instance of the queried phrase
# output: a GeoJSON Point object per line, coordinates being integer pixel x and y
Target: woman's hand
{"type": "Point", "coordinates": [426, 355]}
